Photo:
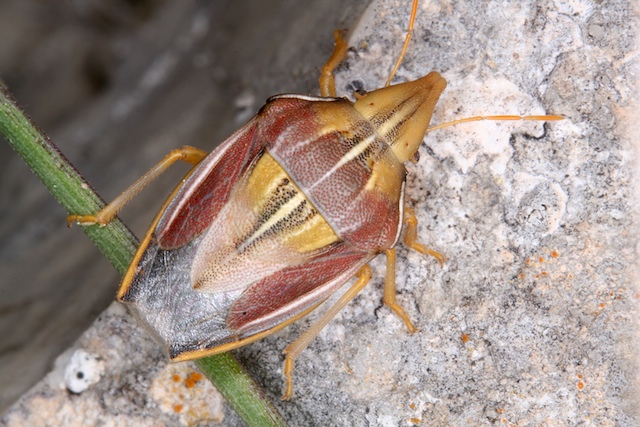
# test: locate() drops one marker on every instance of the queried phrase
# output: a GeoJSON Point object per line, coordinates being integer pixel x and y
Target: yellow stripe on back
{"type": "Point", "coordinates": [284, 210]}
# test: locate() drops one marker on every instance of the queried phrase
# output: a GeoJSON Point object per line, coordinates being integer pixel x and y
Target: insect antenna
{"type": "Point", "coordinates": [405, 46]}
{"type": "Point", "coordinates": [545, 118]}
{"type": "Point", "coordinates": [407, 39]}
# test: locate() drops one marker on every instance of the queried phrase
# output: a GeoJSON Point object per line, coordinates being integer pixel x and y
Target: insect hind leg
{"type": "Point", "coordinates": [294, 349]}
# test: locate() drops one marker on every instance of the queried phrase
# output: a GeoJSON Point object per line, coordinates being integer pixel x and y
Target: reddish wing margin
{"type": "Point", "coordinates": [207, 189]}
{"type": "Point", "coordinates": [293, 290]}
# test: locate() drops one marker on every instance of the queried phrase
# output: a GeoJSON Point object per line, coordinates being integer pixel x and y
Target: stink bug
{"type": "Point", "coordinates": [277, 218]}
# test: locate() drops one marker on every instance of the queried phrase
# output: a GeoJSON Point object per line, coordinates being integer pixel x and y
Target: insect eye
{"type": "Point", "coordinates": [416, 157]}
{"type": "Point", "coordinates": [359, 94]}
{"type": "Point", "coordinates": [356, 86]}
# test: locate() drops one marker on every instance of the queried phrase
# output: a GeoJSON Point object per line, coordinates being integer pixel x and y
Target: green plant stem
{"type": "Point", "coordinates": [229, 374]}
{"type": "Point", "coordinates": [118, 244]}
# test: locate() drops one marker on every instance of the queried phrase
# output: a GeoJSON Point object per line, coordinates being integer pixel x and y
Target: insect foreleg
{"type": "Point", "coordinates": [327, 80]}
{"type": "Point", "coordinates": [186, 154]}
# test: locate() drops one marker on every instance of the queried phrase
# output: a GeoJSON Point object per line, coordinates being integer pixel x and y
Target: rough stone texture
{"type": "Point", "coordinates": [533, 319]}
{"type": "Point", "coordinates": [117, 85]}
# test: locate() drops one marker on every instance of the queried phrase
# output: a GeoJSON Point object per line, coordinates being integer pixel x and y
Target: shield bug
{"type": "Point", "coordinates": [283, 213]}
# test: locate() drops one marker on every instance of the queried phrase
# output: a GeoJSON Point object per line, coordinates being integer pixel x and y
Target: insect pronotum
{"type": "Point", "coordinates": [287, 210]}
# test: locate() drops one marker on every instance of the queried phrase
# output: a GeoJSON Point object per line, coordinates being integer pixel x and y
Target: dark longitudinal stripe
{"type": "Point", "coordinates": [381, 119]}
{"type": "Point", "coordinates": [277, 199]}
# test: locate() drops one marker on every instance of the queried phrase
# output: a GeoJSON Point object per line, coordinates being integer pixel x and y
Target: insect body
{"type": "Point", "coordinates": [284, 212]}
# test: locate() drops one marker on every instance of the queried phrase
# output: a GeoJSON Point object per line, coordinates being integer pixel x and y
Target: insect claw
{"type": "Point", "coordinates": [437, 255]}
{"type": "Point", "coordinates": [399, 311]}
{"type": "Point", "coordinates": [83, 220]}
{"type": "Point", "coordinates": [73, 219]}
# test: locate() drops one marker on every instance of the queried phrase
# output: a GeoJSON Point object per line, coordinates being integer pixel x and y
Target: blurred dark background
{"type": "Point", "coordinates": [117, 84]}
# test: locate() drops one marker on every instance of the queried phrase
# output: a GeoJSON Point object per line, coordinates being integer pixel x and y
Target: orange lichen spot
{"type": "Point", "coordinates": [176, 378]}
{"type": "Point", "coordinates": [601, 305]}
{"type": "Point", "coordinates": [544, 273]}
{"type": "Point", "coordinates": [522, 276]}
{"type": "Point", "coordinates": [580, 385]}
{"type": "Point", "coordinates": [412, 406]}
{"type": "Point", "coordinates": [570, 276]}
{"type": "Point", "coordinates": [555, 254]}
{"type": "Point", "coordinates": [528, 261]}
{"type": "Point", "coordinates": [579, 376]}
{"type": "Point", "coordinates": [192, 379]}
{"type": "Point", "coordinates": [541, 259]}
{"type": "Point", "coordinates": [177, 408]}
{"type": "Point", "coordinates": [414, 420]}
{"type": "Point", "coordinates": [464, 337]}
{"type": "Point", "coordinates": [537, 276]}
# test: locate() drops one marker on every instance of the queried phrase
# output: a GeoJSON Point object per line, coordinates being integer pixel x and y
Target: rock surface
{"type": "Point", "coordinates": [532, 320]}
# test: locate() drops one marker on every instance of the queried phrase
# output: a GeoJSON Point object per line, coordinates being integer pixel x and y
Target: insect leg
{"type": "Point", "coordinates": [327, 81]}
{"type": "Point", "coordinates": [294, 349]}
{"type": "Point", "coordinates": [389, 298]}
{"type": "Point", "coordinates": [186, 154]}
{"type": "Point", "coordinates": [410, 237]}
